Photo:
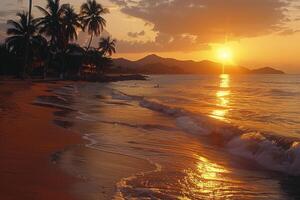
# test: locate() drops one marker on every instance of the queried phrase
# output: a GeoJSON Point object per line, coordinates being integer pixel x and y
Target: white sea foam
{"type": "Point", "coordinates": [85, 117]}
{"type": "Point", "coordinates": [266, 152]}
{"type": "Point", "coordinates": [92, 141]}
{"type": "Point", "coordinates": [269, 152]}
{"type": "Point", "coordinates": [123, 186]}
{"type": "Point", "coordinates": [120, 96]}
{"type": "Point", "coordinates": [51, 104]}
{"type": "Point", "coordinates": [188, 124]}
{"type": "Point", "coordinates": [159, 107]}
{"type": "Point", "coordinates": [67, 90]}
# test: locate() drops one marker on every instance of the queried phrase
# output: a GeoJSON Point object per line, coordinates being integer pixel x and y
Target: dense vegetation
{"type": "Point", "coordinates": [46, 46]}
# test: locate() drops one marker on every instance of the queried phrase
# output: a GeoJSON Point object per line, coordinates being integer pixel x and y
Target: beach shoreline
{"type": "Point", "coordinates": [28, 140]}
{"type": "Point", "coordinates": [102, 173]}
{"type": "Point", "coordinates": [102, 79]}
{"type": "Point", "coordinates": [40, 155]}
{"type": "Point", "coordinates": [67, 142]}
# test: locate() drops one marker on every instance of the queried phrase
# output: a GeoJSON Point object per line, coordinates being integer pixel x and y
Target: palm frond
{"type": "Point", "coordinates": [44, 11]}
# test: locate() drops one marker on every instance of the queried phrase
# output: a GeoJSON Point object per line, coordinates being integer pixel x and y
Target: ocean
{"type": "Point", "coordinates": [204, 136]}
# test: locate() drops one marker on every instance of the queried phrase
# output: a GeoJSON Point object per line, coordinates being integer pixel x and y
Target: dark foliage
{"type": "Point", "coordinates": [45, 46]}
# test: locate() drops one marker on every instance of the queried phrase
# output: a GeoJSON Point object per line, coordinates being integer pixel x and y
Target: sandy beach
{"type": "Point", "coordinates": [28, 139]}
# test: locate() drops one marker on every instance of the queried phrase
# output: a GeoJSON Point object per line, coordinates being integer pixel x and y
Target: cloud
{"type": "Point", "coordinates": [213, 17]}
{"type": "Point", "coordinates": [162, 43]}
{"type": "Point", "coordinates": [6, 13]}
{"type": "Point", "coordinates": [136, 34]}
{"type": "Point", "coordinates": [288, 32]}
{"type": "Point", "coordinates": [209, 20]}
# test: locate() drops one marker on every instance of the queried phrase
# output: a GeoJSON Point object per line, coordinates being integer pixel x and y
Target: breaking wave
{"type": "Point", "coordinates": [271, 152]}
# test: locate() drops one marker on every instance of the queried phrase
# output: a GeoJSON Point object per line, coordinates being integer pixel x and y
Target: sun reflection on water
{"type": "Point", "coordinates": [208, 169]}
{"type": "Point", "coordinates": [222, 98]}
{"type": "Point", "coordinates": [209, 180]}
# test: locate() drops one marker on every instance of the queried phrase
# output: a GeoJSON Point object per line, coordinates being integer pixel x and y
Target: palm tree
{"type": "Point", "coordinates": [30, 7]}
{"type": "Point", "coordinates": [52, 25]}
{"type": "Point", "coordinates": [107, 45]}
{"type": "Point", "coordinates": [23, 36]}
{"type": "Point", "coordinates": [91, 15]}
{"type": "Point", "coordinates": [52, 21]}
{"type": "Point", "coordinates": [26, 51]}
{"type": "Point", "coordinates": [39, 47]}
{"type": "Point", "coordinates": [71, 22]}
{"type": "Point", "coordinates": [19, 31]}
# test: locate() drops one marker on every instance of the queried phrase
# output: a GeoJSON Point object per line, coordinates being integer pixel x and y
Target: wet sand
{"type": "Point", "coordinates": [100, 171]}
{"type": "Point", "coordinates": [27, 141]}
{"type": "Point", "coordinates": [29, 137]}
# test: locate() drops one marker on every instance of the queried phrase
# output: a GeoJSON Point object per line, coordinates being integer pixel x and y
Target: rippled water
{"type": "Point", "coordinates": [210, 137]}
{"type": "Point", "coordinates": [263, 102]}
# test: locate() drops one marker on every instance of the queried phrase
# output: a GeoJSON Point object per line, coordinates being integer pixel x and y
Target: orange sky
{"type": "Point", "coordinates": [259, 32]}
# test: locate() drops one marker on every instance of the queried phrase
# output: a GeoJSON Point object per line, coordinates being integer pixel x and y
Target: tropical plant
{"type": "Point", "coordinates": [71, 22]}
{"type": "Point", "coordinates": [74, 57]}
{"type": "Point", "coordinates": [19, 31]}
{"type": "Point", "coordinates": [23, 40]}
{"type": "Point", "coordinates": [39, 47]}
{"type": "Point", "coordinates": [60, 24]}
{"type": "Point", "coordinates": [74, 49]}
{"type": "Point", "coordinates": [97, 61]}
{"type": "Point", "coordinates": [52, 21]}
{"type": "Point", "coordinates": [22, 35]}
{"type": "Point", "coordinates": [107, 46]}
{"type": "Point", "coordinates": [3, 50]}
{"type": "Point", "coordinates": [104, 63]}
{"type": "Point", "coordinates": [4, 57]}
{"type": "Point", "coordinates": [92, 18]}
{"type": "Point", "coordinates": [10, 64]}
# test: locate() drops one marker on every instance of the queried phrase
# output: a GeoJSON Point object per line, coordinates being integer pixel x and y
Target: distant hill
{"type": "Point", "coordinates": [266, 70]}
{"type": "Point", "coordinates": [153, 64]}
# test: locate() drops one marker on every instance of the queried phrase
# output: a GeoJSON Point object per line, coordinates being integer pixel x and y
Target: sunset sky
{"type": "Point", "coordinates": [259, 32]}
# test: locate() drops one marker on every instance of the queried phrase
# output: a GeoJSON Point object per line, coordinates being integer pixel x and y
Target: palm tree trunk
{"type": "Point", "coordinates": [90, 42]}
{"type": "Point", "coordinates": [27, 40]}
{"type": "Point", "coordinates": [30, 8]}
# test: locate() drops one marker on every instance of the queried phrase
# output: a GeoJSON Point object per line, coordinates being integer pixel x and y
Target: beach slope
{"type": "Point", "coordinates": [27, 141]}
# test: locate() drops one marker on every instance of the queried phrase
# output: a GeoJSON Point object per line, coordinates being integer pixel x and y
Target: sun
{"type": "Point", "coordinates": [224, 54]}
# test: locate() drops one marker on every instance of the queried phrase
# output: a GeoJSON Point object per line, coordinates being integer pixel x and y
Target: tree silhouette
{"type": "Point", "coordinates": [92, 18]}
{"type": "Point", "coordinates": [107, 45]}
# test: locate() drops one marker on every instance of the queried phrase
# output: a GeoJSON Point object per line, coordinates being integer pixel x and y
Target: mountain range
{"type": "Point", "coordinates": [153, 64]}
